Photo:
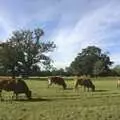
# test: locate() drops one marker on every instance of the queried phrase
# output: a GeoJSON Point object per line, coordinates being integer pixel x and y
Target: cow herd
{"type": "Point", "coordinates": [19, 86]}
{"type": "Point", "coordinates": [85, 82]}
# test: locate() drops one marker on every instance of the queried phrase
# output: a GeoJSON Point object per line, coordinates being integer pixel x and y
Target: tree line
{"type": "Point", "coordinates": [24, 53]}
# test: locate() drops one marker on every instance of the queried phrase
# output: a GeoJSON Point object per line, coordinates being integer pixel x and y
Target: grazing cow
{"type": "Point", "coordinates": [57, 80]}
{"type": "Point", "coordinates": [17, 86]}
{"type": "Point", "coordinates": [87, 83]}
{"type": "Point", "coordinates": [118, 83]}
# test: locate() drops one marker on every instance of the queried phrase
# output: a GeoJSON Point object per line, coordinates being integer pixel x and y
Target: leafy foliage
{"type": "Point", "coordinates": [91, 61]}
{"type": "Point", "coordinates": [24, 50]}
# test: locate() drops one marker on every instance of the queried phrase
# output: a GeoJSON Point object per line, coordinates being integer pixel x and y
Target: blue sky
{"type": "Point", "coordinates": [71, 24]}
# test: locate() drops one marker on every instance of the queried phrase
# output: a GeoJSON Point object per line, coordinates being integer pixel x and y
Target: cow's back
{"type": "Point", "coordinates": [88, 83]}
{"type": "Point", "coordinates": [57, 80]}
{"type": "Point", "coordinates": [7, 84]}
{"type": "Point", "coordinates": [80, 81]}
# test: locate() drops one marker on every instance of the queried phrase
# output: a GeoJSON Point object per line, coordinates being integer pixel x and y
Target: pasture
{"type": "Point", "coordinates": [56, 104]}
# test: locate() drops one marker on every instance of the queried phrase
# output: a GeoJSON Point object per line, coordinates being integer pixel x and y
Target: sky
{"type": "Point", "coordinates": [71, 24]}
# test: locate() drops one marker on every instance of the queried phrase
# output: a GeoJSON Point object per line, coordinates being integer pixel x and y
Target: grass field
{"type": "Point", "coordinates": [56, 104]}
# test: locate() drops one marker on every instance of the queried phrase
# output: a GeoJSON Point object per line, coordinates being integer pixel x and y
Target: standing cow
{"type": "Point", "coordinates": [87, 83]}
{"type": "Point", "coordinates": [57, 80]}
{"type": "Point", "coordinates": [17, 86]}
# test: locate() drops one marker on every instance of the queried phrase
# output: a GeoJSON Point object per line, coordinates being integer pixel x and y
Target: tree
{"type": "Point", "coordinates": [116, 70]}
{"type": "Point", "coordinates": [8, 58]}
{"type": "Point", "coordinates": [90, 60]}
{"type": "Point", "coordinates": [24, 50]}
{"type": "Point", "coordinates": [98, 68]}
{"type": "Point", "coordinates": [69, 71]}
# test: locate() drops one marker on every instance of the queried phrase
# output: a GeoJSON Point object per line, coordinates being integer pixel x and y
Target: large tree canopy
{"type": "Point", "coordinates": [91, 61]}
{"type": "Point", "coordinates": [24, 50]}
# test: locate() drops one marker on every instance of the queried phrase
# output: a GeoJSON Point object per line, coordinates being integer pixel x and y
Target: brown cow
{"type": "Point", "coordinates": [57, 80]}
{"type": "Point", "coordinates": [17, 86]}
{"type": "Point", "coordinates": [87, 83]}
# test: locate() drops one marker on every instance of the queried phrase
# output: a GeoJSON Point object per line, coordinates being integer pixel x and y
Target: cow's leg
{"type": "Point", "coordinates": [15, 95]}
{"type": "Point", "coordinates": [88, 89]}
{"type": "Point", "coordinates": [64, 86]}
{"type": "Point", "coordinates": [117, 85]}
{"type": "Point", "coordinates": [84, 88]}
{"type": "Point", "coordinates": [49, 82]}
{"type": "Point", "coordinates": [1, 95]}
{"type": "Point", "coordinates": [76, 86]}
{"type": "Point", "coordinates": [49, 85]}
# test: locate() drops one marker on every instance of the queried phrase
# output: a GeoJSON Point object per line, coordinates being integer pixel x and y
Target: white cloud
{"type": "Point", "coordinates": [79, 23]}
{"type": "Point", "coordinates": [91, 29]}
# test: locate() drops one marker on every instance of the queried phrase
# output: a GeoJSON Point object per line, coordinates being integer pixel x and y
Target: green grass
{"type": "Point", "coordinates": [56, 104]}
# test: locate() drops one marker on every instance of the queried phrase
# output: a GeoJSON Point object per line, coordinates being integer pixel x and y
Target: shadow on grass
{"type": "Point", "coordinates": [34, 100]}
{"type": "Point", "coordinates": [101, 90]}
{"type": "Point", "coordinates": [69, 88]}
